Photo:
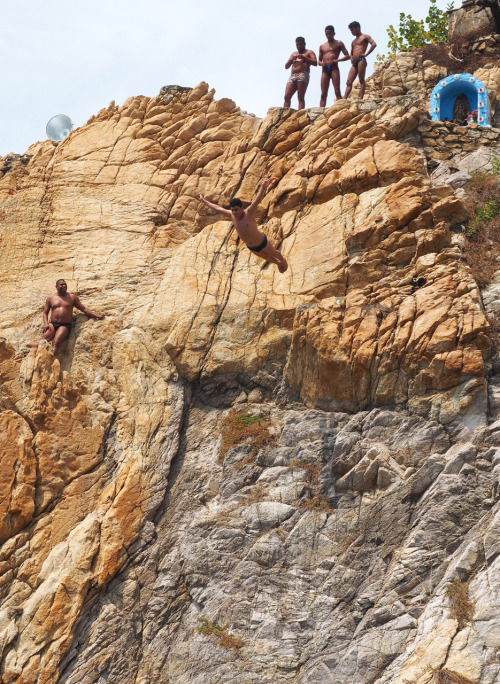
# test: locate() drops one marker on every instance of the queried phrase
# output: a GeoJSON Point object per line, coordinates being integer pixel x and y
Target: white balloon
{"type": "Point", "coordinates": [59, 127]}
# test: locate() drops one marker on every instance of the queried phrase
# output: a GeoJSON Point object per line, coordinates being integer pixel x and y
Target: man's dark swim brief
{"type": "Point", "coordinates": [59, 325]}
{"type": "Point", "coordinates": [358, 60]}
{"type": "Point", "coordinates": [328, 68]}
{"type": "Point", "coordinates": [259, 247]}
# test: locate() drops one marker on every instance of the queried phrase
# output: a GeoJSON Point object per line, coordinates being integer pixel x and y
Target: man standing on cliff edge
{"type": "Point", "coordinates": [358, 58]}
{"type": "Point", "coordinates": [246, 226]}
{"type": "Point", "coordinates": [60, 306]}
{"type": "Point", "coordinates": [328, 52]}
{"type": "Point", "coordinates": [301, 60]}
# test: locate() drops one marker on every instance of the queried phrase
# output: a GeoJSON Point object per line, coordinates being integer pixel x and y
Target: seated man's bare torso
{"type": "Point", "coordinates": [61, 308]}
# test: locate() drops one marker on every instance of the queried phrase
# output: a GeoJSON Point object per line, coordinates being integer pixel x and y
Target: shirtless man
{"type": "Point", "coordinates": [358, 58]}
{"type": "Point", "coordinates": [60, 306]}
{"type": "Point", "coordinates": [328, 52]}
{"type": "Point", "coordinates": [246, 226]}
{"type": "Point", "coordinates": [300, 61]}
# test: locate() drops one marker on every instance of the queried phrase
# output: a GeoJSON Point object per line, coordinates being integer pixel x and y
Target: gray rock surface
{"type": "Point", "coordinates": [457, 171]}
{"type": "Point", "coordinates": [328, 554]}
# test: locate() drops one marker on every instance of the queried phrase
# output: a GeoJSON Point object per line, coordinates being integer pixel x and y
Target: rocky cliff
{"type": "Point", "coordinates": [240, 475]}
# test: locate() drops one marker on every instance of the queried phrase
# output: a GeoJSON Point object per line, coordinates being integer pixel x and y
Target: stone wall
{"type": "Point", "coordinates": [443, 139]}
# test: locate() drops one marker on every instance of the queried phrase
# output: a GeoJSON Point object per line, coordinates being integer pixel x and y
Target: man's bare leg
{"type": "Point", "coordinates": [290, 90]}
{"type": "Point", "coordinates": [350, 80]}
{"type": "Point", "coordinates": [271, 254]}
{"type": "Point", "coordinates": [361, 76]}
{"type": "Point", "coordinates": [301, 92]}
{"type": "Point", "coordinates": [336, 84]}
{"type": "Point", "coordinates": [48, 336]}
{"type": "Point", "coordinates": [61, 334]}
{"type": "Point", "coordinates": [57, 337]}
{"type": "Point", "coordinates": [325, 84]}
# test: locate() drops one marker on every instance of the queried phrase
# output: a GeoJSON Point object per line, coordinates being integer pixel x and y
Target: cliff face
{"type": "Point", "coordinates": [317, 546]}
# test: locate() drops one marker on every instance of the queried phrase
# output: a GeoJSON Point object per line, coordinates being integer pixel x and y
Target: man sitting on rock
{"type": "Point", "coordinates": [60, 306]}
{"type": "Point", "coordinates": [358, 58]}
{"type": "Point", "coordinates": [246, 226]}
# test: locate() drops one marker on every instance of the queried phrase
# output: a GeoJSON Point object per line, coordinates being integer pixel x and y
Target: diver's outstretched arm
{"type": "Point", "coordinates": [258, 197]}
{"type": "Point", "coordinates": [216, 207]}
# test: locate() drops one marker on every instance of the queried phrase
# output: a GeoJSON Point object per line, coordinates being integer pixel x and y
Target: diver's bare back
{"type": "Point", "coordinates": [359, 45]}
{"type": "Point", "coordinates": [61, 307]}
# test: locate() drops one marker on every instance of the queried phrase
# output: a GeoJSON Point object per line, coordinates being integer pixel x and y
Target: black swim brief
{"type": "Point", "coordinates": [59, 325]}
{"type": "Point", "coordinates": [358, 60]}
{"type": "Point", "coordinates": [259, 247]}
{"type": "Point", "coordinates": [328, 68]}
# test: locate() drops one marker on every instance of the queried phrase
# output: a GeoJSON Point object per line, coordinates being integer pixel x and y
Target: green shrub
{"type": "Point", "coordinates": [414, 34]}
{"type": "Point", "coordinates": [487, 212]}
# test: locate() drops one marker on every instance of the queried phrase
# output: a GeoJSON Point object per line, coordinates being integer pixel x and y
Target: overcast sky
{"type": "Point", "coordinates": [74, 58]}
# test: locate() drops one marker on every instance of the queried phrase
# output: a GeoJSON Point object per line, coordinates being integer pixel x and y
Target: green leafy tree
{"type": "Point", "coordinates": [414, 34]}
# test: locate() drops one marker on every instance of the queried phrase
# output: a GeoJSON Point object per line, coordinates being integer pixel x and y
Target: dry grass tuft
{"type": "Point", "coordinates": [317, 500]}
{"type": "Point", "coordinates": [225, 638]}
{"type": "Point", "coordinates": [448, 677]}
{"type": "Point", "coordinates": [240, 427]}
{"type": "Point", "coordinates": [316, 503]}
{"type": "Point", "coordinates": [461, 607]}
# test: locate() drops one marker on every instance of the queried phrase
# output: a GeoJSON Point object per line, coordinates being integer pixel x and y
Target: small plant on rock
{"type": "Point", "coordinates": [225, 638]}
{"type": "Point", "coordinates": [240, 427]}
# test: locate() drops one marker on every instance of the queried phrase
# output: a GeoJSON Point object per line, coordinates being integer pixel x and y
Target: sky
{"type": "Point", "coordinates": [59, 57]}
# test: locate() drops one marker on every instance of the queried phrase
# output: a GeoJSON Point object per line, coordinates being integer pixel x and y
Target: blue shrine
{"type": "Point", "coordinates": [459, 98]}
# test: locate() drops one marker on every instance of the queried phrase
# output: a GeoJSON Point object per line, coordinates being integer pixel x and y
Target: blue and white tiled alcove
{"type": "Point", "coordinates": [447, 91]}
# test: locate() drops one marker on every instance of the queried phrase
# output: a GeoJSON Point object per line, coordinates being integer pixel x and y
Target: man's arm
{"type": "Point", "coordinates": [311, 59]}
{"type": "Point", "coordinates": [291, 60]}
{"type": "Point", "coordinates": [88, 312]}
{"type": "Point", "coordinates": [347, 54]}
{"type": "Point", "coordinates": [211, 205]}
{"type": "Point", "coordinates": [373, 44]}
{"type": "Point", "coordinates": [258, 197]}
{"type": "Point", "coordinates": [320, 56]}
{"type": "Point", "coordinates": [46, 310]}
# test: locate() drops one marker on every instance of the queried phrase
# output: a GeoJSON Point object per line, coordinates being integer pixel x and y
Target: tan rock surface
{"type": "Point", "coordinates": [88, 438]}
